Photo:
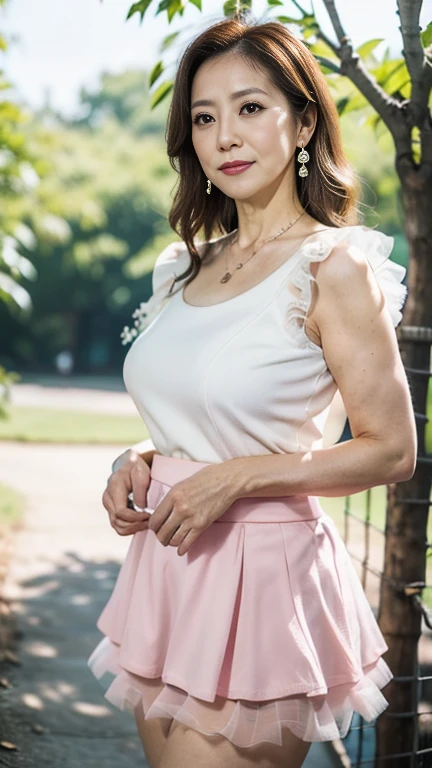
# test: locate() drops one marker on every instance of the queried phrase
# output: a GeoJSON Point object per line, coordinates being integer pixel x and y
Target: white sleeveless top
{"type": "Point", "coordinates": [241, 377]}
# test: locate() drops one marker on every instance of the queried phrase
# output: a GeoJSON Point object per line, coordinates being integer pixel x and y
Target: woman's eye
{"type": "Point", "coordinates": [252, 104]}
{"type": "Point", "coordinates": [248, 104]}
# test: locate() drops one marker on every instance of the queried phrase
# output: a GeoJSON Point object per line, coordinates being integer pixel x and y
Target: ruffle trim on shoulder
{"type": "Point", "coordinates": [377, 248]}
{"type": "Point", "coordinates": [162, 279]}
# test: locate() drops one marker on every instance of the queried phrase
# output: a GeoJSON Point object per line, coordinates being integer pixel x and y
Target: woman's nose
{"type": "Point", "coordinates": [227, 135]}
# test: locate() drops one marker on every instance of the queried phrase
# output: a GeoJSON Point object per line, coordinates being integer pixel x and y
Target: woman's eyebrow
{"type": "Point", "coordinates": [235, 95]}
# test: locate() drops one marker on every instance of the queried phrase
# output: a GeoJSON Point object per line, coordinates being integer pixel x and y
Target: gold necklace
{"type": "Point", "coordinates": [228, 275]}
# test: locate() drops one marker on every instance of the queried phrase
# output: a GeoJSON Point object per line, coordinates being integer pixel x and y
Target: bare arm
{"type": "Point", "coordinates": [361, 351]}
{"type": "Point", "coordinates": [145, 449]}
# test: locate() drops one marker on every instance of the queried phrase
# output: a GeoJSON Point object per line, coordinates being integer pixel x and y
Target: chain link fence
{"type": "Point", "coordinates": [363, 526]}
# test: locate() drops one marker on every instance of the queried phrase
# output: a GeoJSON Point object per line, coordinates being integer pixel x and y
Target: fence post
{"type": "Point", "coordinates": [404, 570]}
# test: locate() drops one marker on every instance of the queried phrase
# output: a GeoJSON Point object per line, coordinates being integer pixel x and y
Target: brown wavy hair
{"type": "Point", "coordinates": [330, 192]}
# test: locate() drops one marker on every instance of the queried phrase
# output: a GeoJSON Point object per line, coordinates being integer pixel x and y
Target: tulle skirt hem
{"type": "Point", "coordinates": [244, 723]}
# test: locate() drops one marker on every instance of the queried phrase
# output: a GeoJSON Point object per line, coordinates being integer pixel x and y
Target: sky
{"type": "Point", "coordinates": [58, 46]}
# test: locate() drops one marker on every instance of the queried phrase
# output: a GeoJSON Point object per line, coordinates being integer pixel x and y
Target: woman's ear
{"type": "Point", "coordinates": [308, 123]}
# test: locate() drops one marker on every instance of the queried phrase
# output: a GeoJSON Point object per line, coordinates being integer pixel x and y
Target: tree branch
{"type": "Point", "coordinates": [352, 66]}
{"type": "Point", "coordinates": [417, 63]}
{"type": "Point", "coordinates": [409, 14]}
{"type": "Point", "coordinates": [327, 41]}
{"type": "Point", "coordinates": [335, 20]}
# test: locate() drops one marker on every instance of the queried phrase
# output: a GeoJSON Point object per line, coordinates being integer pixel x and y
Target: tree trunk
{"type": "Point", "coordinates": [408, 503]}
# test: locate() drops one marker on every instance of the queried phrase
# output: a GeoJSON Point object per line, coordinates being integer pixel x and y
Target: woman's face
{"type": "Point", "coordinates": [257, 127]}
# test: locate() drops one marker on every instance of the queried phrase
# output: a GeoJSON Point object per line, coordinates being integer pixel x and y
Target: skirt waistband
{"type": "Point", "coordinates": [259, 509]}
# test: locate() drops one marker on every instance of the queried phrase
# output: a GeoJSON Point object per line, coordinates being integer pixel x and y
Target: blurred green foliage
{"type": "Point", "coordinates": [99, 217]}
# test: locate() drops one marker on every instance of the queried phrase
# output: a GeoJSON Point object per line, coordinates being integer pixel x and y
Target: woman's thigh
{"type": "Point", "coordinates": [188, 748]}
{"type": "Point", "coordinates": [153, 735]}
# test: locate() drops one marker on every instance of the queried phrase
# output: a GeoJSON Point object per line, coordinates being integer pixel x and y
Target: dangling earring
{"type": "Point", "coordinates": [208, 186]}
{"type": "Point", "coordinates": [303, 158]}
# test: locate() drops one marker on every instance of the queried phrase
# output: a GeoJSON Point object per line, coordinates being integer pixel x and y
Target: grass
{"type": "Point", "coordinates": [12, 506]}
{"type": "Point", "coordinates": [335, 506]}
{"type": "Point", "coordinates": [46, 425]}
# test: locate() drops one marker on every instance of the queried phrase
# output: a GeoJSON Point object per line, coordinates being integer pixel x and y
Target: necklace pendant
{"type": "Point", "coordinates": [227, 276]}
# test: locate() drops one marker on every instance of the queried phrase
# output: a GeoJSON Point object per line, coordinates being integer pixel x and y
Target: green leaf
{"type": "Point", "coordinates": [166, 42]}
{"type": "Point", "coordinates": [197, 3]}
{"type": "Point", "coordinates": [9, 288]}
{"type": "Point", "coordinates": [309, 20]}
{"type": "Point", "coordinates": [139, 7]}
{"type": "Point", "coordinates": [392, 76]}
{"type": "Point", "coordinates": [232, 7]}
{"type": "Point", "coordinates": [320, 48]}
{"type": "Point", "coordinates": [289, 20]}
{"type": "Point", "coordinates": [156, 72]}
{"type": "Point", "coordinates": [342, 104]}
{"type": "Point", "coordinates": [309, 31]}
{"type": "Point", "coordinates": [274, 2]}
{"type": "Point", "coordinates": [426, 36]}
{"type": "Point", "coordinates": [161, 92]}
{"type": "Point", "coordinates": [171, 7]}
{"type": "Point", "coordinates": [229, 7]}
{"type": "Point", "coordinates": [352, 103]}
{"type": "Point", "coordinates": [365, 50]}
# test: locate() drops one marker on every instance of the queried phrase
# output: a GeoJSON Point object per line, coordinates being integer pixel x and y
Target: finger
{"type": "Point", "coordinates": [124, 513]}
{"type": "Point", "coordinates": [161, 514]}
{"type": "Point", "coordinates": [140, 477]}
{"type": "Point", "coordinates": [179, 536]}
{"type": "Point", "coordinates": [168, 530]}
{"type": "Point", "coordinates": [129, 516]}
{"type": "Point", "coordinates": [127, 523]}
{"type": "Point", "coordinates": [118, 490]}
{"type": "Point", "coordinates": [108, 502]}
{"type": "Point", "coordinates": [131, 529]}
{"type": "Point", "coordinates": [187, 542]}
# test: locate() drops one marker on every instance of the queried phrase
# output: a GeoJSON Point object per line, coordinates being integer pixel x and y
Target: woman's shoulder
{"type": "Point", "coordinates": [353, 250]}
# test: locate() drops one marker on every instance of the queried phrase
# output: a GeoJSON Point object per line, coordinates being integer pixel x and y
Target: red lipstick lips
{"type": "Point", "coordinates": [236, 166]}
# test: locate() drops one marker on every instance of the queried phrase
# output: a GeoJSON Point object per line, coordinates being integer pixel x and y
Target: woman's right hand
{"type": "Point", "coordinates": [132, 473]}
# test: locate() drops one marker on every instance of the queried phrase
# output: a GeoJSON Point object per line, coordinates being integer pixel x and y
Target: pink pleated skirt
{"type": "Point", "coordinates": [262, 625]}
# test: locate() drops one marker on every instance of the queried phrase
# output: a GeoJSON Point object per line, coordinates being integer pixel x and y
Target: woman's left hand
{"type": "Point", "coordinates": [192, 505]}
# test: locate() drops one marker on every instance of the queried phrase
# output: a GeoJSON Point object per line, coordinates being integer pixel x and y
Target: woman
{"type": "Point", "coordinates": [238, 631]}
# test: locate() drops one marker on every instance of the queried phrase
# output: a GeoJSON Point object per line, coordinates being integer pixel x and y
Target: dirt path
{"type": "Point", "coordinates": [65, 564]}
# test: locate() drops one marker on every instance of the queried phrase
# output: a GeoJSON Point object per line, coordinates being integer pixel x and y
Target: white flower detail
{"type": "Point", "coordinates": [143, 316]}
{"type": "Point", "coordinates": [128, 334]}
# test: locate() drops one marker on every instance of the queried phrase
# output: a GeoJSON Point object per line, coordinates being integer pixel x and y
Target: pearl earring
{"type": "Point", "coordinates": [303, 158]}
{"type": "Point", "coordinates": [208, 186]}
